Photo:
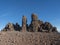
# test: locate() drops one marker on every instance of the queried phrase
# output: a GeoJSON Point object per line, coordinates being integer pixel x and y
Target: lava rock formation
{"type": "Point", "coordinates": [35, 26]}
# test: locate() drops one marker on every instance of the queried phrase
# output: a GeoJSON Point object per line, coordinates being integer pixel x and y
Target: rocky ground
{"type": "Point", "coordinates": [29, 38]}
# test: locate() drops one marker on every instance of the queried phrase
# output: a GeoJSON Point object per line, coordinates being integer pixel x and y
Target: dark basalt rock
{"type": "Point", "coordinates": [54, 29]}
{"type": "Point", "coordinates": [17, 27]}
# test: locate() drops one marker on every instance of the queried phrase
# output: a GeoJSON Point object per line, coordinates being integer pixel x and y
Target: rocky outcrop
{"type": "Point", "coordinates": [39, 26]}
{"type": "Point", "coordinates": [17, 27]}
{"type": "Point", "coordinates": [12, 27]}
{"type": "Point", "coordinates": [9, 27]}
{"type": "Point", "coordinates": [34, 23]}
{"type": "Point", "coordinates": [35, 26]}
{"type": "Point", "coordinates": [36, 33]}
{"type": "Point", "coordinates": [24, 23]}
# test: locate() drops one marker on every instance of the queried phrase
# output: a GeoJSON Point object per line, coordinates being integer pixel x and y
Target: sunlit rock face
{"type": "Point", "coordinates": [36, 25]}
{"type": "Point", "coordinates": [12, 27]}
{"type": "Point", "coordinates": [9, 27]}
{"type": "Point", "coordinates": [24, 23]}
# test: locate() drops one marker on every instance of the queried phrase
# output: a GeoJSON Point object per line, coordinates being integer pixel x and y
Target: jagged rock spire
{"type": "Point", "coordinates": [34, 22]}
{"type": "Point", "coordinates": [34, 17]}
{"type": "Point", "coordinates": [24, 22]}
{"type": "Point", "coordinates": [17, 27]}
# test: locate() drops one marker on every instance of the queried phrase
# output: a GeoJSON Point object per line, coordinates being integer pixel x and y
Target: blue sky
{"type": "Point", "coordinates": [13, 10]}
